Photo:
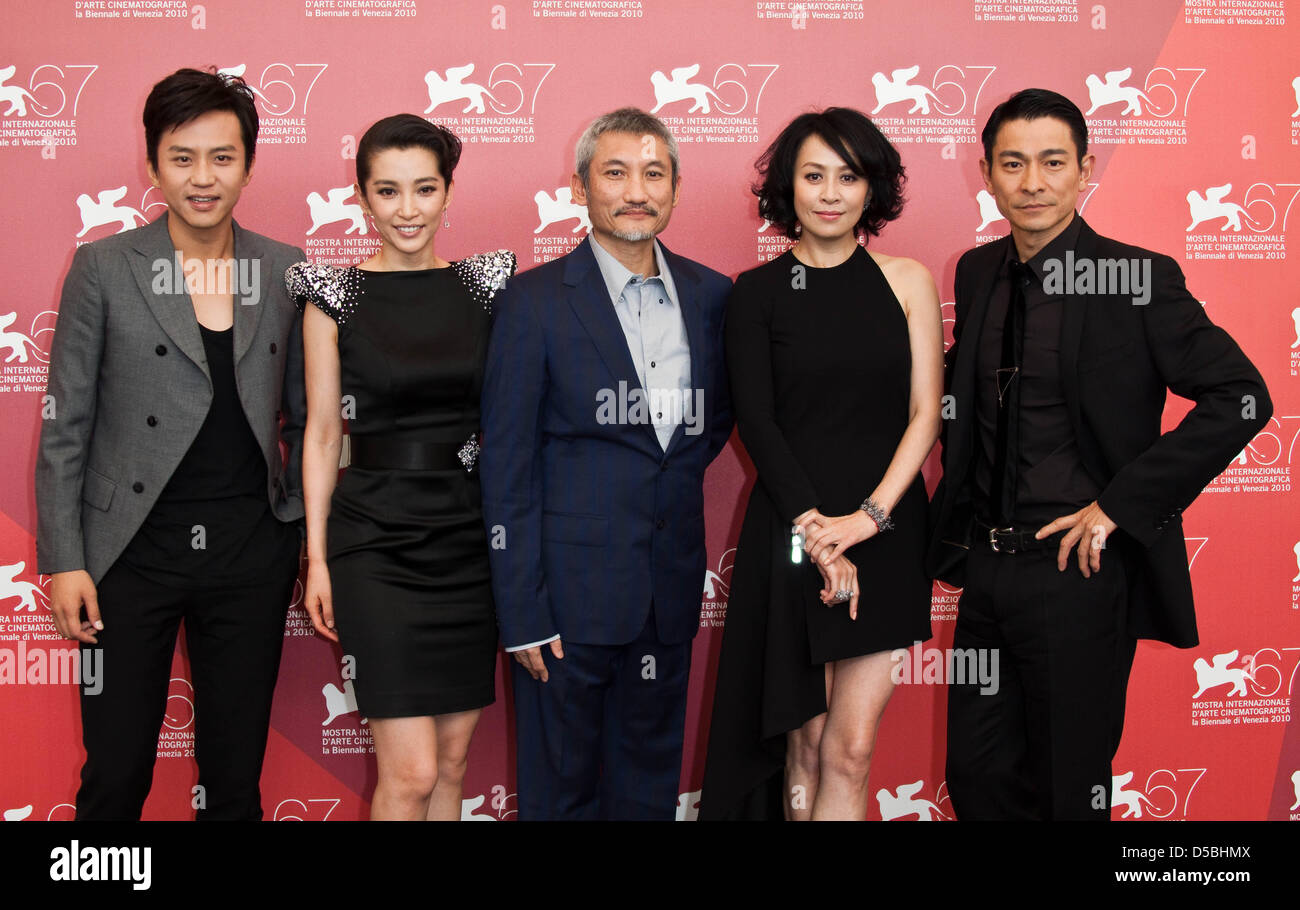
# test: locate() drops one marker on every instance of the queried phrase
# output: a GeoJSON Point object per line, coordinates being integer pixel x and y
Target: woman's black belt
{"type": "Point", "coordinates": [397, 453]}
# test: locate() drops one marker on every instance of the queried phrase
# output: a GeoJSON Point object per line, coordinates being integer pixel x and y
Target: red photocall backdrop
{"type": "Point", "coordinates": [1194, 110]}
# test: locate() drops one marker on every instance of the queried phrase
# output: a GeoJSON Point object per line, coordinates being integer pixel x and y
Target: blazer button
{"type": "Point", "coordinates": [659, 524]}
{"type": "Point", "coordinates": [138, 487]}
{"type": "Point", "coordinates": [273, 347]}
{"type": "Point", "coordinates": [160, 350]}
{"type": "Point", "coordinates": [152, 420]}
{"type": "Point", "coordinates": [664, 466]}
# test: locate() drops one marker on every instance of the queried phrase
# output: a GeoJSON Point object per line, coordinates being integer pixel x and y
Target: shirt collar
{"type": "Point", "coordinates": [617, 275]}
{"type": "Point", "coordinates": [1068, 239]}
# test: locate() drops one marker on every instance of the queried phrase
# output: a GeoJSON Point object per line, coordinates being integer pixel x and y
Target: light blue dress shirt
{"type": "Point", "coordinates": [652, 322]}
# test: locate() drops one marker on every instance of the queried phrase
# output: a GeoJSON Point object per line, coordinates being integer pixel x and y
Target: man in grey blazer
{"type": "Point", "coordinates": [160, 489]}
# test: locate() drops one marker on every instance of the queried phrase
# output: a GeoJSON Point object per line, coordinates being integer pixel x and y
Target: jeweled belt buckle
{"type": "Point", "coordinates": [993, 539]}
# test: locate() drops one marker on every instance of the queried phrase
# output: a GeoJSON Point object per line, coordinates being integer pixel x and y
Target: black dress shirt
{"type": "Point", "coordinates": [1051, 478]}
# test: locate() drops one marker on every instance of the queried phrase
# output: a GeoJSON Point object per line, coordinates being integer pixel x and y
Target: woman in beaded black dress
{"type": "Point", "coordinates": [397, 552]}
{"type": "Point", "coordinates": [836, 361]}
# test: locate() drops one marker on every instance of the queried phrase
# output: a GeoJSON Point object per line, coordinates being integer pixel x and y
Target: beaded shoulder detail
{"type": "Point", "coordinates": [486, 273]}
{"type": "Point", "coordinates": [332, 289]}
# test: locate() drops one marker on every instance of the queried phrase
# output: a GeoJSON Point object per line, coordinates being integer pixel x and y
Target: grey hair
{"type": "Point", "coordinates": [624, 120]}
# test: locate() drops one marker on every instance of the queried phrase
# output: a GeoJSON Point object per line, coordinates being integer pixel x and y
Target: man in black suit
{"type": "Point", "coordinates": [1065, 343]}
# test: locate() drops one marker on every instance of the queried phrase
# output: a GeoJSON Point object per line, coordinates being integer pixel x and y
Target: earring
{"type": "Point", "coordinates": [445, 222]}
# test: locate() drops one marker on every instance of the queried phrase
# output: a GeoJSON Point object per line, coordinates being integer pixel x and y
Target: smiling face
{"type": "Point", "coordinates": [1035, 178]}
{"type": "Point", "coordinates": [201, 172]}
{"type": "Point", "coordinates": [828, 196]}
{"type": "Point", "coordinates": [406, 197]}
{"type": "Point", "coordinates": [630, 191]}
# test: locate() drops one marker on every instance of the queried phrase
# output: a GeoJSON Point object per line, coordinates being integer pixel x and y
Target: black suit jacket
{"type": "Point", "coordinates": [1118, 359]}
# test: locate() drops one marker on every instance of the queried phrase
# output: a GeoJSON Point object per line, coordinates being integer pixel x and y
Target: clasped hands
{"type": "Point", "coordinates": [825, 540]}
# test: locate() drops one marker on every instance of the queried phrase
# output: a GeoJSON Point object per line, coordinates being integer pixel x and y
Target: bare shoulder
{"type": "Point", "coordinates": [910, 281]}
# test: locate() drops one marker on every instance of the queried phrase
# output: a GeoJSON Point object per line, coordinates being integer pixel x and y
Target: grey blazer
{"type": "Point", "coordinates": [129, 389]}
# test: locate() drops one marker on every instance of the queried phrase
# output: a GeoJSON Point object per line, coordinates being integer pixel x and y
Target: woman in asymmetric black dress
{"type": "Point", "coordinates": [835, 356]}
{"type": "Point", "coordinates": [397, 552]}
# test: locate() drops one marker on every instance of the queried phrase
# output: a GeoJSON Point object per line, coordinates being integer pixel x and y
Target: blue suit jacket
{"type": "Point", "coordinates": [590, 520]}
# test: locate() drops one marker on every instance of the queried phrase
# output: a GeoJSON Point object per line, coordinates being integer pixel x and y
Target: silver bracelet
{"type": "Point", "coordinates": [882, 520]}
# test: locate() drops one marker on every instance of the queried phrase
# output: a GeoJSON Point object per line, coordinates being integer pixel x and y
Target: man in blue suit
{"type": "Point", "coordinates": [604, 400]}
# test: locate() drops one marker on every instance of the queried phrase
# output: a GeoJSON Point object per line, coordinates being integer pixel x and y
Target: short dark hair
{"type": "Point", "coordinates": [852, 136]}
{"type": "Point", "coordinates": [1030, 104]}
{"type": "Point", "coordinates": [188, 94]}
{"type": "Point", "coordinates": [405, 131]}
{"type": "Point", "coordinates": [630, 120]}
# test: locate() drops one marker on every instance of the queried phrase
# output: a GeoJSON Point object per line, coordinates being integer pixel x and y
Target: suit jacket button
{"type": "Point", "coordinates": [664, 466]}
{"type": "Point", "coordinates": [160, 350]}
{"type": "Point", "coordinates": [273, 347]}
{"type": "Point", "coordinates": [152, 420]}
{"type": "Point", "coordinates": [138, 487]}
{"type": "Point", "coordinates": [659, 524]}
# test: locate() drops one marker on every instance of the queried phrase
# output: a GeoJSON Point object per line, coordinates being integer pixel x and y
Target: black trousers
{"type": "Point", "coordinates": [602, 738]}
{"type": "Point", "coordinates": [1040, 747]}
{"type": "Point", "coordinates": [234, 636]}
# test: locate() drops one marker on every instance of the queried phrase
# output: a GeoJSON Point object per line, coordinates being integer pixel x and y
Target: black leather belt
{"type": "Point", "coordinates": [1009, 540]}
{"type": "Point", "coordinates": [396, 453]}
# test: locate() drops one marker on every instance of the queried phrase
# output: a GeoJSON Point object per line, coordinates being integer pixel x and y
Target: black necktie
{"type": "Point", "coordinates": [1002, 496]}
